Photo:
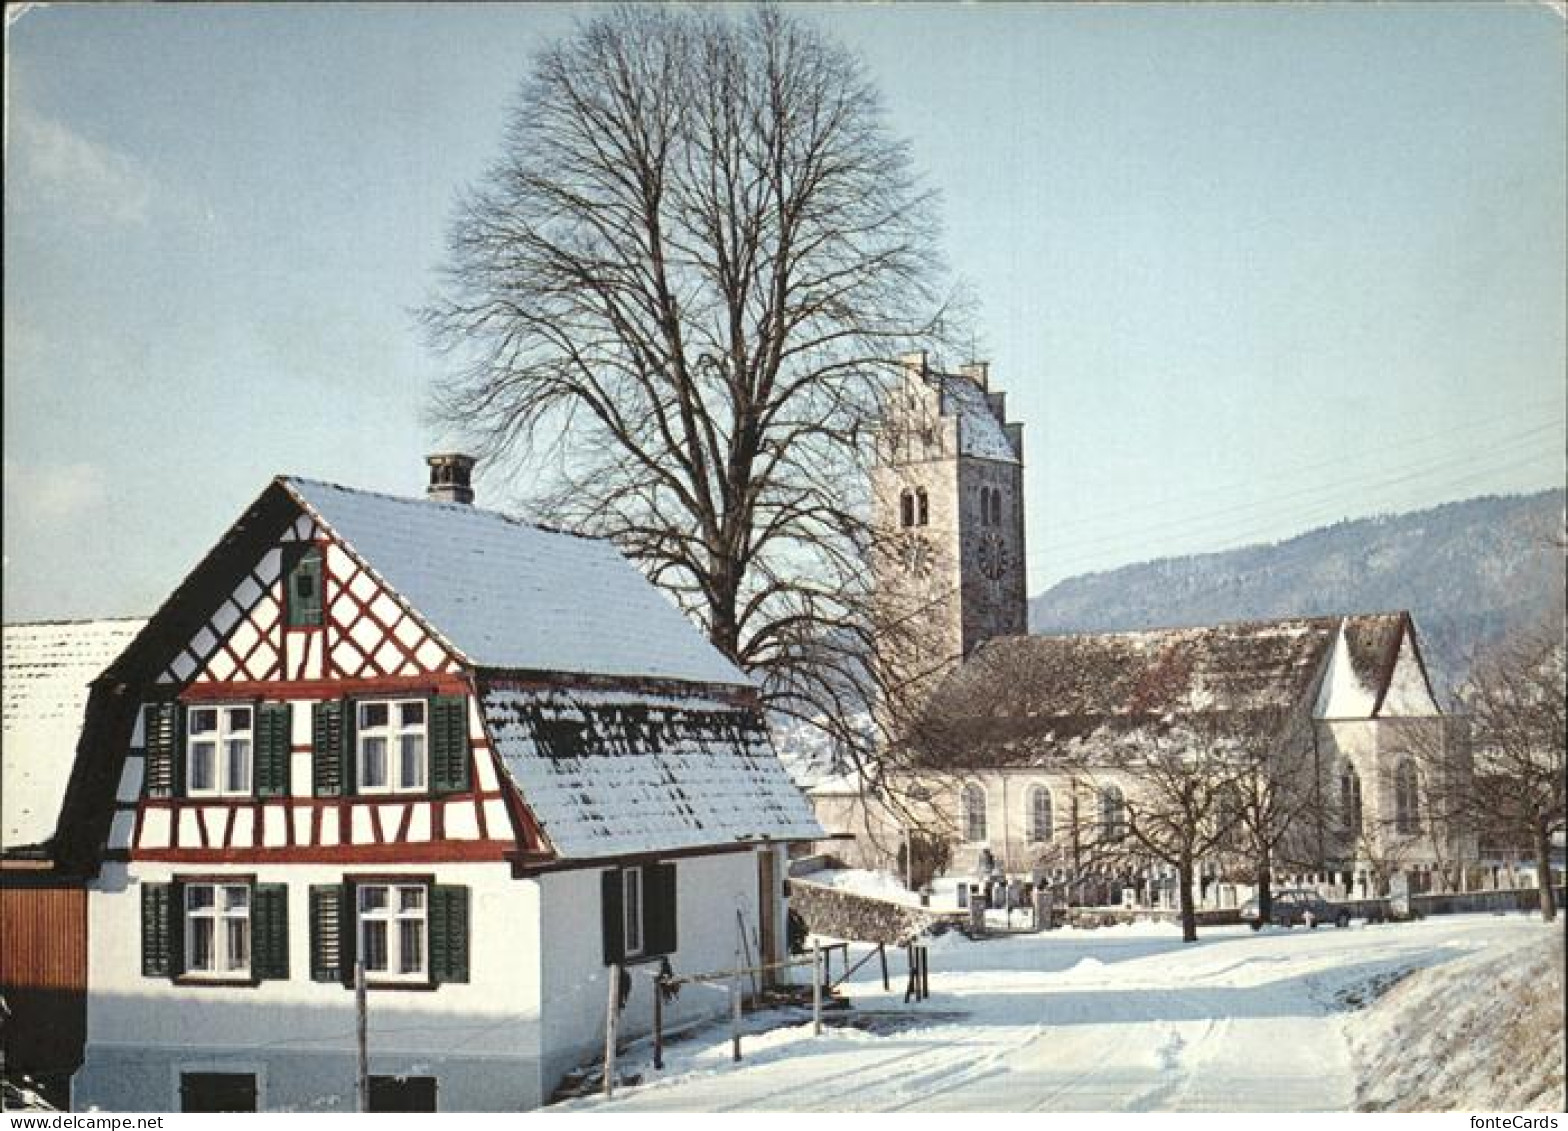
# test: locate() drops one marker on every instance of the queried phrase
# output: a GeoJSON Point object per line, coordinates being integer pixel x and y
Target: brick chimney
{"type": "Point", "coordinates": [450, 474]}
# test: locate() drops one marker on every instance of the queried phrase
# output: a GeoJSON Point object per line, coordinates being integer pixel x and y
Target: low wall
{"type": "Point", "coordinates": [863, 918]}
{"type": "Point", "coordinates": [1455, 903]}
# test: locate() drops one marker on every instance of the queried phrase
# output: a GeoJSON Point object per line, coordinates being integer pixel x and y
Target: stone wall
{"type": "Point", "coordinates": [862, 918]}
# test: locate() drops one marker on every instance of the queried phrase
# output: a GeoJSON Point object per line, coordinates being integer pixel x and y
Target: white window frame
{"type": "Point", "coordinates": [632, 940]}
{"type": "Point", "coordinates": [222, 738]}
{"type": "Point", "coordinates": [392, 735]}
{"type": "Point", "coordinates": [393, 914]}
{"type": "Point", "coordinates": [229, 925]}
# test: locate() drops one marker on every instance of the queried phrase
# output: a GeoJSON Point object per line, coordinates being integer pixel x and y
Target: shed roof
{"type": "Point", "coordinates": [47, 669]}
{"type": "Point", "coordinates": [609, 773]}
{"type": "Point", "coordinates": [509, 595]}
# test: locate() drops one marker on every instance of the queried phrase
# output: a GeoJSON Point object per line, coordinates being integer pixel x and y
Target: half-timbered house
{"type": "Point", "coordinates": [480, 760]}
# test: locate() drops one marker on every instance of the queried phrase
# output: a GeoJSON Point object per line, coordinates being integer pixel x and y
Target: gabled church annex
{"type": "Point", "coordinates": [482, 762]}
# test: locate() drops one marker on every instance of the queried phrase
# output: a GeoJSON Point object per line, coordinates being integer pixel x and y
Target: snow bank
{"type": "Point", "coordinates": [1481, 1033]}
{"type": "Point", "coordinates": [876, 885]}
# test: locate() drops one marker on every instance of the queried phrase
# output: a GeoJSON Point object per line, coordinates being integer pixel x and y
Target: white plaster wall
{"type": "Point", "coordinates": [480, 1038]}
{"type": "Point", "coordinates": [1407, 691]}
{"type": "Point", "coordinates": [709, 891]}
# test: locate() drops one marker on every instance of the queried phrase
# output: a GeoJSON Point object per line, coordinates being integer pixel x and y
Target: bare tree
{"type": "Point", "coordinates": [674, 302]}
{"type": "Point", "coordinates": [1514, 698]}
{"type": "Point", "coordinates": [1275, 790]}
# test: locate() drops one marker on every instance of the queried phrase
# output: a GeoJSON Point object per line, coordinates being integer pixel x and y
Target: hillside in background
{"type": "Point", "coordinates": [1467, 571]}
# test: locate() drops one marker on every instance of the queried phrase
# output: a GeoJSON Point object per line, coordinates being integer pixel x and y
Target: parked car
{"type": "Point", "coordinates": [1296, 905]}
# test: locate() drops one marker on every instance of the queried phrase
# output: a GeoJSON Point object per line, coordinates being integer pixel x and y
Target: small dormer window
{"type": "Point", "coordinates": [303, 590]}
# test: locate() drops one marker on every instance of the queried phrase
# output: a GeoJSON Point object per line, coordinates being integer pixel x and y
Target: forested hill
{"type": "Point", "coordinates": [1467, 571]}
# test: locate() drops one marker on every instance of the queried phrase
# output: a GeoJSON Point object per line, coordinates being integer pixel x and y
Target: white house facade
{"type": "Point", "coordinates": [483, 762]}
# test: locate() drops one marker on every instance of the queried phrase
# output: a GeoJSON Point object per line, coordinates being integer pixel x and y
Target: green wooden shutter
{"type": "Point", "coordinates": [160, 727]}
{"type": "Point", "coordinates": [448, 934]}
{"type": "Point", "coordinates": [157, 956]}
{"type": "Point", "coordinates": [303, 590]}
{"type": "Point", "coordinates": [331, 933]}
{"type": "Point", "coordinates": [274, 736]}
{"type": "Point", "coordinates": [269, 932]}
{"type": "Point", "coordinates": [658, 906]}
{"type": "Point", "coordinates": [449, 744]}
{"type": "Point", "coordinates": [613, 912]}
{"type": "Point", "coordinates": [328, 778]}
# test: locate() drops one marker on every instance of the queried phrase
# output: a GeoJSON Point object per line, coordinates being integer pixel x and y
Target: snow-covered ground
{"type": "Point", "coordinates": [1117, 1019]}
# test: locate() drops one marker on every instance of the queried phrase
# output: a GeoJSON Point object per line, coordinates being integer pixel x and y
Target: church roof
{"type": "Point", "coordinates": [1034, 700]}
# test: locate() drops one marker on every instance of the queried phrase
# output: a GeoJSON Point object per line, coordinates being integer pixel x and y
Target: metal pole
{"type": "Point", "coordinates": [611, 1016]}
{"type": "Point", "coordinates": [361, 1038]}
{"type": "Point", "coordinates": [816, 989]}
{"type": "Point", "coordinates": [882, 955]}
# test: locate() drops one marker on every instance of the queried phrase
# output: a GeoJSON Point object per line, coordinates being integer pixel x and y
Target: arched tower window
{"type": "Point", "coordinates": [996, 507]}
{"type": "Point", "coordinates": [1407, 798]}
{"type": "Point", "coordinates": [974, 813]}
{"type": "Point", "coordinates": [906, 508]}
{"type": "Point", "coordinates": [922, 507]}
{"type": "Point", "coordinates": [1350, 800]}
{"type": "Point", "coordinates": [1039, 814]}
{"type": "Point", "coordinates": [1113, 813]}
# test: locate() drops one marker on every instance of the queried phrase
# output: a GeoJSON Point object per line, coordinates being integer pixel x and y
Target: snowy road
{"type": "Point", "coordinates": [1121, 1019]}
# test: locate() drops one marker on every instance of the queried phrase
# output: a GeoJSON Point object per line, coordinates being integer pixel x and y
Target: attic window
{"type": "Point", "coordinates": [302, 593]}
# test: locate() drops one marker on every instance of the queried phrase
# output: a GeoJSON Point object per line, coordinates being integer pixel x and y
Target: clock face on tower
{"type": "Point", "coordinates": [993, 555]}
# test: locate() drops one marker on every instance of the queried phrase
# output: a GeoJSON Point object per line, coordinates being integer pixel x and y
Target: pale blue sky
{"type": "Point", "coordinates": [1242, 271]}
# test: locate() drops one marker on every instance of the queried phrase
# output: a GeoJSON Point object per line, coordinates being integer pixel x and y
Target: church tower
{"type": "Point", "coordinates": [948, 502]}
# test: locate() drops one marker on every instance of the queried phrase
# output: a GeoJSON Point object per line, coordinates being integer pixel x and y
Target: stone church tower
{"type": "Point", "coordinates": [947, 489]}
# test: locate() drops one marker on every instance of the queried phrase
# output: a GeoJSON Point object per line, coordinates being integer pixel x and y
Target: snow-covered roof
{"type": "Point", "coordinates": [980, 433]}
{"type": "Point", "coordinates": [47, 669]}
{"type": "Point", "coordinates": [1027, 700]}
{"type": "Point", "coordinates": [609, 773]}
{"type": "Point", "coordinates": [509, 595]}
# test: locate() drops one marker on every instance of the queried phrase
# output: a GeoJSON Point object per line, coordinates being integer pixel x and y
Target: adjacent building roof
{"type": "Point", "coordinates": [47, 670]}
{"type": "Point", "coordinates": [1032, 700]}
{"type": "Point", "coordinates": [508, 595]}
{"type": "Point", "coordinates": [609, 773]}
{"type": "Point", "coordinates": [980, 433]}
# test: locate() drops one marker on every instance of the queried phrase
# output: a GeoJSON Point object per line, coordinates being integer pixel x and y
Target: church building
{"type": "Point", "coordinates": [1022, 750]}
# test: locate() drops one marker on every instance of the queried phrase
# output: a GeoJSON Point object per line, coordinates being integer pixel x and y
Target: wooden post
{"type": "Point", "coordinates": [735, 1014]}
{"type": "Point", "coordinates": [882, 956]}
{"type": "Point", "coordinates": [361, 1038]}
{"type": "Point", "coordinates": [658, 1024]}
{"type": "Point", "coordinates": [816, 989]}
{"type": "Point", "coordinates": [612, 1014]}
{"type": "Point", "coordinates": [925, 972]}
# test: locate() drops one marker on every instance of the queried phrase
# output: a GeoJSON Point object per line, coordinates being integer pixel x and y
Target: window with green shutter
{"type": "Point", "coordinates": [157, 931]}
{"type": "Point", "coordinates": [331, 933]}
{"type": "Point", "coordinates": [303, 590]}
{"type": "Point", "coordinates": [161, 735]}
{"type": "Point", "coordinates": [449, 744]}
{"type": "Point", "coordinates": [274, 727]}
{"type": "Point", "coordinates": [331, 745]}
{"type": "Point", "coordinates": [270, 932]}
{"type": "Point", "coordinates": [448, 934]}
{"type": "Point", "coordinates": [654, 905]}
